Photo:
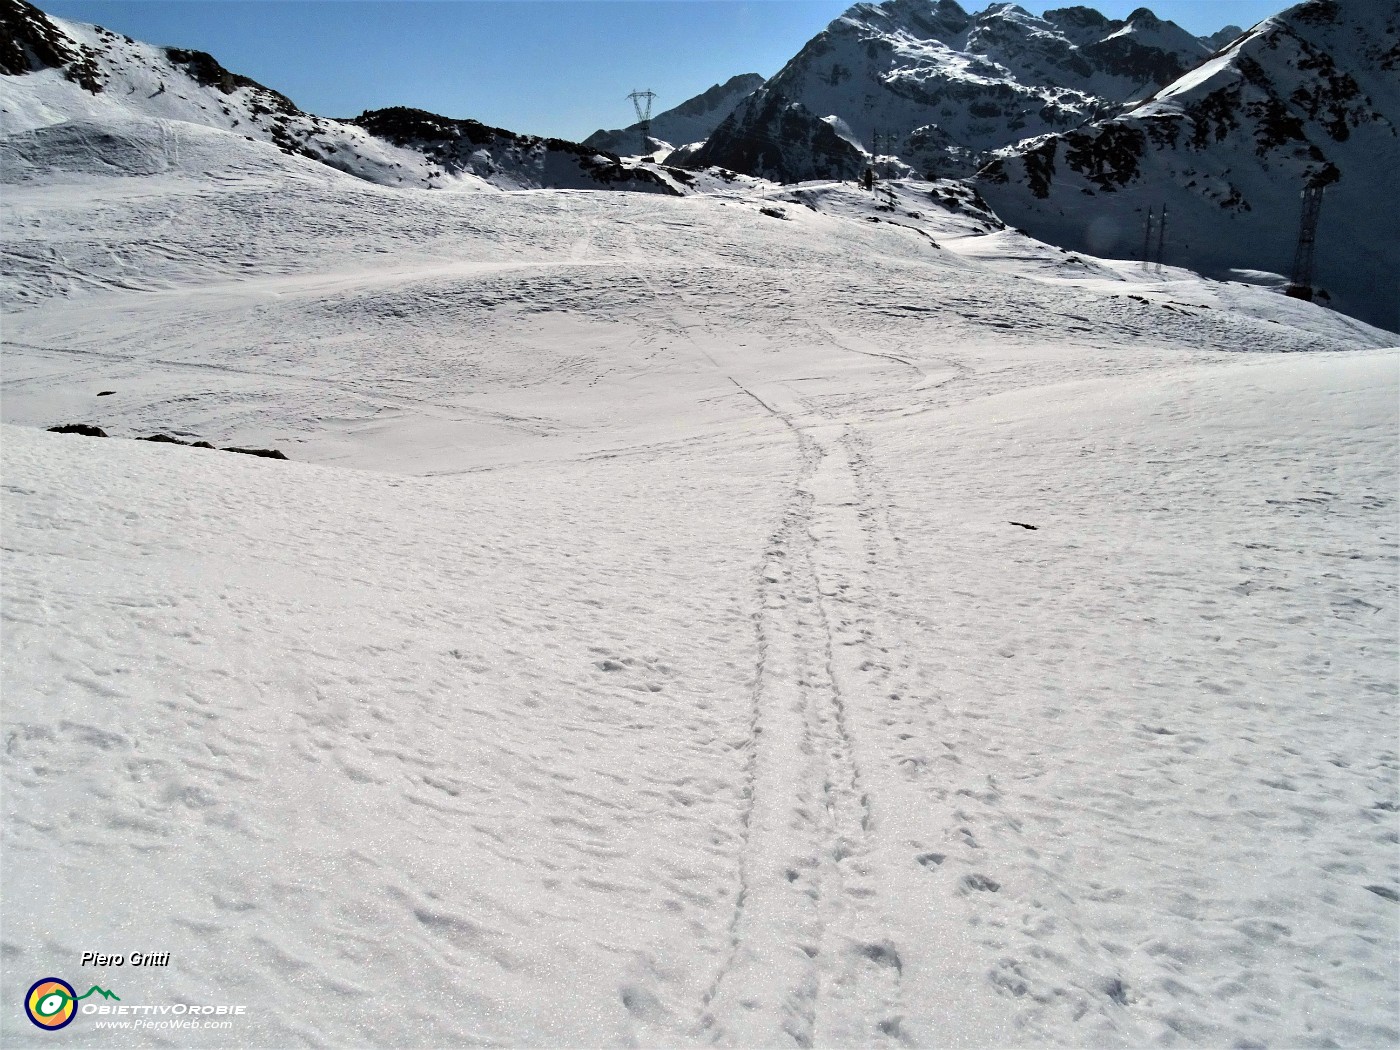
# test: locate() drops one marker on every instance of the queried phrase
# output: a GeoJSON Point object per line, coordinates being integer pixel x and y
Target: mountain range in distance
{"type": "Point", "coordinates": [1081, 129]}
{"type": "Point", "coordinates": [1074, 127]}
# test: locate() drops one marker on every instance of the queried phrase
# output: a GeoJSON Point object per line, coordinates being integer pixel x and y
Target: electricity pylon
{"type": "Point", "coordinates": [641, 101]}
{"type": "Point", "coordinates": [1307, 236]}
{"type": "Point", "coordinates": [1161, 237]}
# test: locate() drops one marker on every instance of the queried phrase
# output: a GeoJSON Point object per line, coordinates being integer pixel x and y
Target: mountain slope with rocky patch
{"type": "Point", "coordinates": [67, 88]}
{"type": "Point", "coordinates": [1309, 96]}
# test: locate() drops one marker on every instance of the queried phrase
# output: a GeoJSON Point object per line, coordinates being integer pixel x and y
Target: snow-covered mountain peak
{"type": "Point", "coordinates": [1147, 30]}
{"type": "Point", "coordinates": [939, 86]}
{"type": "Point", "coordinates": [942, 21]}
{"type": "Point", "coordinates": [1079, 24]}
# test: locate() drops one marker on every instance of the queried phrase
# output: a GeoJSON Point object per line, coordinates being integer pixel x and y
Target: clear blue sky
{"type": "Point", "coordinates": [547, 67]}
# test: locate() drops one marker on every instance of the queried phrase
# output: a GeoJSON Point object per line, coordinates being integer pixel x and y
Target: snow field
{"type": "Point", "coordinates": [638, 650]}
{"type": "Point", "coordinates": [1191, 750]}
{"type": "Point", "coordinates": [440, 772]}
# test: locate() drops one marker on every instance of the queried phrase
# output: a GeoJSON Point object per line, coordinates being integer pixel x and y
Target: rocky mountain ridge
{"type": "Point", "coordinates": [67, 84]}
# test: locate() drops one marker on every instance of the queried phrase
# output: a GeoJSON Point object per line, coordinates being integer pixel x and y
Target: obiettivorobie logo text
{"type": "Point", "coordinates": [52, 1003]}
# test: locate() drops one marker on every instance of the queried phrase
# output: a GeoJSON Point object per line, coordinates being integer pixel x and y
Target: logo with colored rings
{"type": "Point", "coordinates": [51, 1003]}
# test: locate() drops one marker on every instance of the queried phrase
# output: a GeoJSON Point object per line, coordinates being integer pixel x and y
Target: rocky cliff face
{"type": "Point", "coordinates": [942, 87]}
{"type": "Point", "coordinates": [1309, 96]}
{"type": "Point", "coordinates": [686, 124]}
{"type": "Point", "coordinates": [773, 137]}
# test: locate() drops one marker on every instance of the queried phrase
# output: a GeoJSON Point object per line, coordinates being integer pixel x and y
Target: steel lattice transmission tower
{"type": "Point", "coordinates": [641, 101]}
{"type": "Point", "coordinates": [1307, 236]}
{"type": "Point", "coordinates": [1161, 237]}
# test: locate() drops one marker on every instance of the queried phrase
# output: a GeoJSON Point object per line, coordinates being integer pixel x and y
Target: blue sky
{"type": "Point", "coordinates": [547, 67]}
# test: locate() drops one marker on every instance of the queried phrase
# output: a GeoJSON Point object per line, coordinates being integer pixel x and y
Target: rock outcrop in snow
{"type": "Point", "coordinates": [505, 157]}
{"type": "Point", "coordinates": [1309, 96]}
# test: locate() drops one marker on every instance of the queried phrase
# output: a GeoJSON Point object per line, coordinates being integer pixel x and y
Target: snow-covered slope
{"type": "Point", "coordinates": [639, 651]}
{"type": "Point", "coordinates": [690, 122]}
{"type": "Point", "coordinates": [941, 86]}
{"type": "Point", "coordinates": [1310, 95]}
{"type": "Point", "coordinates": [63, 84]}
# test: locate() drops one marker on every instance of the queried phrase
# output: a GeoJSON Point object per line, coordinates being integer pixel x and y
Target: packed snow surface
{"type": "Point", "coordinates": [641, 646]}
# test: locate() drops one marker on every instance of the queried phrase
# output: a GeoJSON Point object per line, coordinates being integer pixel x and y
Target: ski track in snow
{"type": "Point", "coordinates": [641, 652]}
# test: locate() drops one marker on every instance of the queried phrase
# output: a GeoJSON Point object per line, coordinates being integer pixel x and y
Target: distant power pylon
{"type": "Point", "coordinates": [880, 139]}
{"type": "Point", "coordinates": [1147, 239]}
{"type": "Point", "coordinates": [1161, 236]}
{"type": "Point", "coordinates": [1307, 237]}
{"type": "Point", "coordinates": [641, 100]}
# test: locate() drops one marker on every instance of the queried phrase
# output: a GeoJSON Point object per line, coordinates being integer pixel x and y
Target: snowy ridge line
{"type": "Point", "coordinates": [81, 99]}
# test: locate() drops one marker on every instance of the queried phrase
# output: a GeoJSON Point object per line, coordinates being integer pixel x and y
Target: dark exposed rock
{"type": "Point", "coordinates": [1078, 21]}
{"type": "Point", "coordinates": [265, 453]}
{"type": "Point", "coordinates": [30, 42]}
{"type": "Point", "coordinates": [1109, 158]}
{"type": "Point", "coordinates": [454, 144]}
{"type": "Point", "coordinates": [166, 439]}
{"type": "Point", "coordinates": [1124, 57]}
{"type": "Point", "coordinates": [85, 429]}
{"type": "Point", "coordinates": [1040, 167]}
{"type": "Point", "coordinates": [1220, 40]}
{"type": "Point", "coordinates": [403, 125]}
{"type": "Point", "coordinates": [204, 69]}
{"type": "Point", "coordinates": [771, 136]}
